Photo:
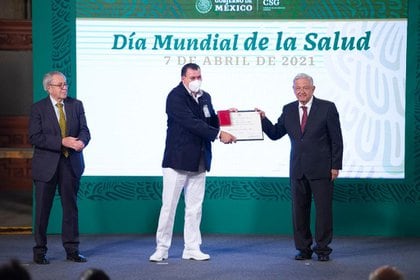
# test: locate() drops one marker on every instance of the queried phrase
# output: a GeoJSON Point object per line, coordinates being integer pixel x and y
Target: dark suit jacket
{"type": "Point", "coordinates": [319, 148]}
{"type": "Point", "coordinates": [190, 131]}
{"type": "Point", "coordinates": [45, 136]}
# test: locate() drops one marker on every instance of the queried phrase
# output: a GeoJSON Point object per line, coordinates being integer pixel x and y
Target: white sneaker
{"type": "Point", "coordinates": [195, 255]}
{"type": "Point", "coordinates": [158, 256]}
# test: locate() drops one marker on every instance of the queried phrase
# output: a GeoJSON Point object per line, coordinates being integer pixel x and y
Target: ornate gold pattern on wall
{"type": "Point", "coordinates": [15, 35]}
{"type": "Point", "coordinates": [15, 153]}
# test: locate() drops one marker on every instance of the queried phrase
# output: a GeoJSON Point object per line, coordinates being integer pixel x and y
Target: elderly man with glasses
{"type": "Point", "coordinates": [59, 133]}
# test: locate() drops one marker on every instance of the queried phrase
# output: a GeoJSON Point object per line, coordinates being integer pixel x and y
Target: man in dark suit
{"type": "Point", "coordinates": [316, 157]}
{"type": "Point", "coordinates": [191, 127]}
{"type": "Point", "coordinates": [59, 132]}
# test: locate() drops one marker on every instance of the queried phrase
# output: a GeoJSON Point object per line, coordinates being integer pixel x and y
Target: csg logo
{"type": "Point", "coordinates": [269, 5]}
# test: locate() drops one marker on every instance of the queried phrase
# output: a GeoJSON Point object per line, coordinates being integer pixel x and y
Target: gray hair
{"type": "Point", "coordinates": [303, 76]}
{"type": "Point", "coordinates": [48, 77]}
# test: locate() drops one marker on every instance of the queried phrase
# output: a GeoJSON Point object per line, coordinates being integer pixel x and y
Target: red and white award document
{"type": "Point", "coordinates": [244, 125]}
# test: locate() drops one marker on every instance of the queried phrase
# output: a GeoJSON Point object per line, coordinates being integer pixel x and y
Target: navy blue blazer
{"type": "Point", "coordinates": [319, 148]}
{"type": "Point", "coordinates": [191, 127]}
{"type": "Point", "coordinates": [45, 136]}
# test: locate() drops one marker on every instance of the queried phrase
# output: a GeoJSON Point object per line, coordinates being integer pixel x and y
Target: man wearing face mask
{"type": "Point", "coordinates": [191, 127]}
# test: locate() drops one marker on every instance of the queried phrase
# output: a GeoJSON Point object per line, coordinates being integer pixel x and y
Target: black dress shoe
{"type": "Point", "coordinates": [76, 257]}
{"type": "Point", "coordinates": [41, 259]}
{"type": "Point", "coordinates": [302, 256]}
{"type": "Point", "coordinates": [323, 258]}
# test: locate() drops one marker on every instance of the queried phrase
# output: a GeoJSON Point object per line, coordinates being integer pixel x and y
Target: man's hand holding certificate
{"type": "Point", "coordinates": [244, 125]}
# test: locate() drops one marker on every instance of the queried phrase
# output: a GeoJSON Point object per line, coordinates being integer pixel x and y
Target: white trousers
{"type": "Point", "coordinates": [193, 184]}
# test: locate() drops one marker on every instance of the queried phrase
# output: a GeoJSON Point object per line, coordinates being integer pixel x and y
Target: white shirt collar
{"type": "Point", "coordinates": [309, 104]}
{"type": "Point", "coordinates": [195, 96]}
{"type": "Point", "coordinates": [53, 101]}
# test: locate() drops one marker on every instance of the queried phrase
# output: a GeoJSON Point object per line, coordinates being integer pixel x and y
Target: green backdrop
{"type": "Point", "coordinates": [235, 205]}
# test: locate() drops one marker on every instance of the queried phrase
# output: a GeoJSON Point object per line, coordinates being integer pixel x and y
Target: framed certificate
{"type": "Point", "coordinates": [244, 125]}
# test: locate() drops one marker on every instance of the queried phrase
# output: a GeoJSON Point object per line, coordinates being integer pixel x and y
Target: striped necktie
{"type": "Point", "coordinates": [304, 118]}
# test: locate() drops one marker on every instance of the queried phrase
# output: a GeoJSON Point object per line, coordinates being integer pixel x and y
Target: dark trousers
{"type": "Point", "coordinates": [322, 192]}
{"type": "Point", "coordinates": [68, 186]}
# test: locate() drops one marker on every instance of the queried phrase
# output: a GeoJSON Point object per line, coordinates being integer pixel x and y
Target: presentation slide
{"type": "Point", "coordinates": [126, 68]}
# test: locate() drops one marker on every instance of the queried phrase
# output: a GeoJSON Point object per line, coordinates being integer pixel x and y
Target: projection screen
{"type": "Point", "coordinates": [127, 66]}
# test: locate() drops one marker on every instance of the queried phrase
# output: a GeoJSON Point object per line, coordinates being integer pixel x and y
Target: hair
{"type": "Point", "coordinates": [187, 66]}
{"type": "Point", "coordinates": [14, 271]}
{"type": "Point", "coordinates": [303, 76]}
{"type": "Point", "coordinates": [48, 77]}
{"type": "Point", "coordinates": [386, 272]}
{"type": "Point", "coordinates": [94, 274]}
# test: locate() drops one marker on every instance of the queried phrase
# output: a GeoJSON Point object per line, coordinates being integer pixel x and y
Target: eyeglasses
{"type": "Point", "coordinates": [61, 85]}
{"type": "Point", "coordinates": [302, 88]}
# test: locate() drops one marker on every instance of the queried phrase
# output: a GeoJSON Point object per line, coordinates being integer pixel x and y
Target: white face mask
{"type": "Point", "coordinates": [195, 85]}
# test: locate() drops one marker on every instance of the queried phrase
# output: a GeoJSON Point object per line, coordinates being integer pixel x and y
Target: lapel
{"type": "Point", "coordinates": [294, 115]}
{"type": "Point", "coordinates": [193, 105]}
{"type": "Point", "coordinates": [312, 112]}
{"type": "Point", "coordinates": [68, 105]}
{"type": "Point", "coordinates": [51, 115]}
